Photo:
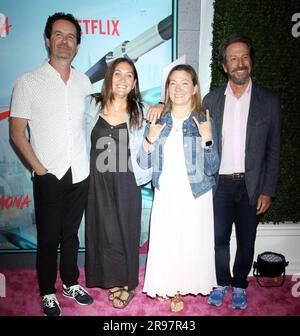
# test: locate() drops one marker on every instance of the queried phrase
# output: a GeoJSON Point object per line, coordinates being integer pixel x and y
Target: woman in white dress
{"type": "Point", "coordinates": [182, 149]}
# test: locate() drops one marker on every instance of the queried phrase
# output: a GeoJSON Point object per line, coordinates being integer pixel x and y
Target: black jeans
{"type": "Point", "coordinates": [231, 205]}
{"type": "Point", "coordinates": [59, 207]}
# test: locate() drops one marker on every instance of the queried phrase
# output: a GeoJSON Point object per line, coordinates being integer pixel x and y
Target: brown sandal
{"type": "Point", "coordinates": [124, 302]}
{"type": "Point", "coordinates": [160, 298]}
{"type": "Point", "coordinates": [177, 304]}
{"type": "Point", "coordinates": [112, 294]}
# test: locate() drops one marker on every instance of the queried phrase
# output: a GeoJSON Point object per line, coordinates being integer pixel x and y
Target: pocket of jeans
{"type": "Point", "coordinates": [44, 176]}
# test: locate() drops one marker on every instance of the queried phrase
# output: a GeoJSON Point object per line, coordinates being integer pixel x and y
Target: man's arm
{"type": "Point", "coordinates": [273, 150]}
{"type": "Point", "coordinates": [272, 159]}
{"type": "Point", "coordinates": [17, 134]}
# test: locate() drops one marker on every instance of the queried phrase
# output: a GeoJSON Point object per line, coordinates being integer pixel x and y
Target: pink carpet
{"type": "Point", "coordinates": [22, 299]}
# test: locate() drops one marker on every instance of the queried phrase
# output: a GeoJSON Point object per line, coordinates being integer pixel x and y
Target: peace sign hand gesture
{"type": "Point", "coordinates": [204, 128]}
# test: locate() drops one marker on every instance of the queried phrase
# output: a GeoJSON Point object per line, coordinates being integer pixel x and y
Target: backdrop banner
{"type": "Point", "coordinates": [141, 30]}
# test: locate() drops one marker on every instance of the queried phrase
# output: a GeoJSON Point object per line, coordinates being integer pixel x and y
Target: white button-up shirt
{"type": "Point", "coordinates": [234, 131]}
{"type": "Point", "coordinates": [55, 113]}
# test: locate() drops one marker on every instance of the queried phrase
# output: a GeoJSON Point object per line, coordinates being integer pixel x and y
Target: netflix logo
{"type": "Point", "coordinates": [4, 25]}
{"type": "Point", "coordinates": [100, 27]}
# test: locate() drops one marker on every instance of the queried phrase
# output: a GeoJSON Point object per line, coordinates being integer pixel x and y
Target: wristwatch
{"type": "Point", "coordinates": [208, 143]}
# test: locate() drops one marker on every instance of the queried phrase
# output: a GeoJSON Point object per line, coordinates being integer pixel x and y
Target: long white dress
{"type": "Point", "coordinates": [181, 244]}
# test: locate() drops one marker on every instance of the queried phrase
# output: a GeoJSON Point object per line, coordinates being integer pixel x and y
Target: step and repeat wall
{"type": "Point", "coordinates": [143, 30]}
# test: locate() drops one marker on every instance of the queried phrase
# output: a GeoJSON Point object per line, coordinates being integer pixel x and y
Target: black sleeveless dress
{"type": "Point", "coordinates": [113, 215]}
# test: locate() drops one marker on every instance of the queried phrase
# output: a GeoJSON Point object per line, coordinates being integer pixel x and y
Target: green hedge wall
{"type": "Point", "coordinates": [277, 66]}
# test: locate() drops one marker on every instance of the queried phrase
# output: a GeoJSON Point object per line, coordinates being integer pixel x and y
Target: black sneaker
{"type": "Point", "coordinates": [50, 305]}
{"type": "Point", "coordinates": [78, 293]}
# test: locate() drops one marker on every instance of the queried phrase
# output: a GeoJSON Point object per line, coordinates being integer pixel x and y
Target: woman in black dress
{"type": "Point", "coordinates": [113, 215]}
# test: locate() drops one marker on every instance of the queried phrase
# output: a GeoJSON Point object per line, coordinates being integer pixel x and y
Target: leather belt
{"type": "Point", "coordinates": [234, 176]}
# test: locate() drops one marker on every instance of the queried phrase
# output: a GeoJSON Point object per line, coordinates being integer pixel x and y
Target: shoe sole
{"type": "Point", "coordinates": [53, 315]}
{"type": "Point", "coordinates": [71, 297]}
{"type": "Point", "coordinates": [239, 307]}
{"type": "Point", "coordinates": [215, 305]}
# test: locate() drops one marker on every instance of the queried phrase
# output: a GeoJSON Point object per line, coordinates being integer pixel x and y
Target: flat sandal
{"type": "Point", "coordinates": [177, 304]}
{"type": "Point", "coordinates": [126, 301]}
{"type": "Point", "coordinates": [112, 294]}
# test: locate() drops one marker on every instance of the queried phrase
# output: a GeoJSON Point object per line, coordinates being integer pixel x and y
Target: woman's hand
{"type": "Point", "coordinates": [204, 128]}
{"type": "Point", "coordinates": [158, 108]}
{"type": "Point", "coordinates": [155, 129]}
{"type": "Point", "coordinates": [154, 132]}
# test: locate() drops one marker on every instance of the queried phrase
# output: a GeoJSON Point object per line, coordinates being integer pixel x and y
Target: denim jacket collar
{"type": "Point", "coordinates": [189, 122]}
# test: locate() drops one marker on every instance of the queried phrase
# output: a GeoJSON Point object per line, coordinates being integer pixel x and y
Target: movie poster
{"type": "Point", "coordinates": [145, 31]}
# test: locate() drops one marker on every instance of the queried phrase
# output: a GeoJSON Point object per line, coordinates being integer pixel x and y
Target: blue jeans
{"type": "Point", "coordinates": [231, 205]}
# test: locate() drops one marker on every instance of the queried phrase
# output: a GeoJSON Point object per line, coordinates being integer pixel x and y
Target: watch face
{"type": "Point", "coordinates": [208, 143]}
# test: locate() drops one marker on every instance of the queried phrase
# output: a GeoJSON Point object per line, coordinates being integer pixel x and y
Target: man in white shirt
{"type": "Point", "coordinates": [248, 121]}
{"type": "Point", "coordinates": [50, 100]}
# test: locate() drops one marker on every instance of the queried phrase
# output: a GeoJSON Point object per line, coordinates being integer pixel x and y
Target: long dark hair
{"type": "Point", "coordinates": [196, 99]}
{"type": "Point", "coordinates": [134, 98]}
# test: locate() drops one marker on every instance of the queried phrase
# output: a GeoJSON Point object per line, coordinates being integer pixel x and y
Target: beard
{"type": "Point", "coordinates": [239, 80]}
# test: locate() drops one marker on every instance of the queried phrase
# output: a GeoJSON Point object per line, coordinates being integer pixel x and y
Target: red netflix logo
{"type": "Point", "coordinates": [101, 27]}
{"type": "Point", "coordinates": [4, 25]}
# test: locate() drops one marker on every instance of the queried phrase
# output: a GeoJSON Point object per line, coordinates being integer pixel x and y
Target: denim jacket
{"type": "Point", "coordinates": [201, 162]}
{"type": "Point", "coordinates": [136, 138]}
